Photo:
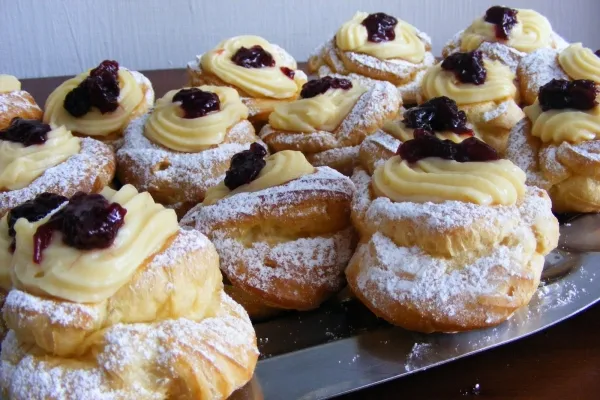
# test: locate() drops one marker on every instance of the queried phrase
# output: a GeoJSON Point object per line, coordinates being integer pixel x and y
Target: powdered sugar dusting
{"type": "Point", "coordinates": [60, 313]}
{"type": "Point", "coordinates": [17, 99]}
{"type": "Point", "coordinates": [538, 68]}
{"type": "Point", "coordinates": [76, 173]}
{"type": "Point", "coordinates": [187, 241]}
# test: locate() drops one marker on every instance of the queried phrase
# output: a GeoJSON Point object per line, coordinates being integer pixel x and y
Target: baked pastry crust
{"type": "Point", "coordinates": [285, 246]}
{"type": "Point", "coordinates": [569, 172]}
{"type": "Point", "coordinates": [329, 60]}
{"type": "Point", "coordinates": [88, 171]}
{"type": "Point", "coordinates": [18, 103]}
{"type": "Point", "coordinates": [338, 149]}
{"type": "Point", "coordinates": [451, 266]}
{"type": "Point", "coordinates": [170, 332]}
{"type": "Point", "coordinates": [376, 149]}
{"type": "Point", "coordinates": [178, 180]}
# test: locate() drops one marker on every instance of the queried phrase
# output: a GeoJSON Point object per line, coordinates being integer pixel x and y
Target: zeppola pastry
{"type": "Point", "coordinates": [376, 47]}
{"type": "Point", "coordinates": [439, 115]}
{"type": "Point", "coordinates": [100, 102]}
{"type": "Point", "coordinates": [184, 145]}
{"type": "Point", "coordinates": [558, 144]}
{"type": "Point", "coordinates": [15, 102]}
{"type": "Point", "coordinates": [506, 35]}
{"type": "Point", "coordinates": [263, 73]}
{"type": "Point", "coordinates": [451, 237]}
{"type": "Point", "coordinates": [112, 299]}
{"type": "Point", "coordinates": [281, 227]}
{"type": "Point", "coordinates": [330, 120]}
{"type": "Point", "coordinates": [543, 65]}
{"type": "Point", "coordinates": [36, 157]}
{"type": "Point", "coordinates": [483, 88]}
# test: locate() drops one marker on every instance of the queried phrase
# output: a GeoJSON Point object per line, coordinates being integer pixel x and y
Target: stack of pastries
{"type": "Point", "coordinates": [130, 229]}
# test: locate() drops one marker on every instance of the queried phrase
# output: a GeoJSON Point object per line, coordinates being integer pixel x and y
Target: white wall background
{"type": "Point", "coordinates": [62, 37]}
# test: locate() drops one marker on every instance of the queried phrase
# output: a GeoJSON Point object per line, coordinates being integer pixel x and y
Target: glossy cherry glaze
{"type": "Point", "coordinates": [560, 93]}
{"type": "Point", "coordinates": [315, 87]}
{"type": "Point", "coordinates": [426, 144]}
{"type": "Point", "coordinates": [28, 132]}
{"type": "Point", "coordinates": [290, 73]}
{"type": "Point", "coordinates": [467, 67]}
{"type": "Point", "coordinates": [87, 222]}
{"type": "Point", "coordinates": [33, 210]}
{"type": "Point", "coordinates": [197, 103]}
{"type": "Point", "coordinates": [245, 166]}
{"type": "Point", "coordinates": [504, 19]}
{"type": "Point", "coordinates": [99, 89]}
{"type": "Point", "coordinates": [380, 27]}
{"type": "Point", "coordinates": [438, 114]}
{"type": "Point", "coordinates": [254, 57]}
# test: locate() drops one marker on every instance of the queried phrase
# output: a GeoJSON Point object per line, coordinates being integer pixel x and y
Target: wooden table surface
{"type": "Point", "coordinates": [562, 362]}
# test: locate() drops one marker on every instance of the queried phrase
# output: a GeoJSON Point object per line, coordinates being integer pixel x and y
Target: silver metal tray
{"type": "Point", "coordinates": [342, 347]}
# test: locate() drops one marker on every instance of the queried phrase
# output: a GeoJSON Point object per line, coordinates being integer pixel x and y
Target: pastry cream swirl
{"type": "Point", "coordinates": [5, 254]}
{"type": "Point", "coordinates": [397, 129]}
{"type": "Point", "coordinates": [20, 165]}
{"type": "Point", "coordinates": [280, 168]}
{"type": "Point", "coordinates": [9, 83]}
{"type": "Point", "coordinates": [437, 180]}
{"type": "Point", "coordinates": [323, 112]}
{"type": "Point", "coordinates": [167, 126]}
{"type": "Point", "coordinates": [94, 123]}
{"type": "Point", "coordinates": [532, 31]}
{"type": "Point", "coordinates": [566, 125]}
{"type": "Point", "coordinates": [498, 85]}
{"type": "Point", "coordinates": [407, 45]}
{"type": "Point", "coordinates": [268, 82]}
{"type": "Point", "coordinates": [90, 276]}
{"type": "Point", "coordinates": [580, 62]}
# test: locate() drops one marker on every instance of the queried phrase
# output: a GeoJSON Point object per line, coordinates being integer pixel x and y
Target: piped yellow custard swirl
{"type": "Point", "coordinates": [566, 125]}
{"type": "Point", "coordinates": [268, 82]}
{"type": "Point", "coordinates": [437, 180]}
{"type": "Point", "coordinates": [580, 62]}
{"type": "Point", "coordinates": [532, 31]}
{"type": "Point", "coordinates": [94, 123]}
{"type": "Point", "coordinates": [9, 83]}
{"type": "Point", "coordinates": [498, 85]}
{"type": "Point", "coordinates": [20, 165]}
{"type": "Point", "coordinates": [323, 112]}
{"type": "Point", "coordinates": [94, 275]}
{"type": "Point", "coordinates": [168, 127]}
{"type": "Point", "coordinates": [280, 168]}
{"type": "Point", "coordinates": [407, 45]}
{"type": "Point", "coordinates": [5, 254]}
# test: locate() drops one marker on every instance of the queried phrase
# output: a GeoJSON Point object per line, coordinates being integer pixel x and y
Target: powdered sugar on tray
{"type": "Point", "coordinates": [78, 172]}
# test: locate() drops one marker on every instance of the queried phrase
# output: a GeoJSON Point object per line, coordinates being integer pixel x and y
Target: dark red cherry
{"type": "Point", "coordinates": [560, 93]}
{"type": "Point", "coordinates": [87, 222]}
{"type": "Point", "coordinates": [290, 73]}
{"type": "Point", "coordinates": [597, 53]}
{"type": "Point", "coordinates": [467, 67]}
{"type": "Point", "coordinates": [28, 132]}
{"type": "Point", "coordinates": [380, 27]}
{"type": "Point", "coordinates": [99, 89]}
{"type": "Point", "coordinates": [438, 114]}
{"type": "Point", "coordinates": [245, 166]}
{"type": "Point", "coordinates": [504, 18]}
{"type": "Point", "coordinates": [197, 103]}
{"type": "Point", "coordinates": [33, 210]}
{"type": "Point", "coordinates": [254, 57]}
{"type": "Point", "coordinates": [315, 87]}
{"type": "Point", "coordinates": [425, 144]}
